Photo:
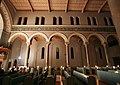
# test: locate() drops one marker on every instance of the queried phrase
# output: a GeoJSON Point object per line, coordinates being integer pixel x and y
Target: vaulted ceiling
{"type": "Point", "coordinates": [60, 5]}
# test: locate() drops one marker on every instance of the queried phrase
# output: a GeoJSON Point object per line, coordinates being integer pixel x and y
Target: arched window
{"type": "Point", "coordinates": [72, 53]}
{"type": "Point", "coordinates": [19, 21]}
{"type": "Point", "coordinates": [42, 20]}
{"type": "Point", "coordinates": [105, 20]}
{"type": "Point", "coordinates": [100, 53]}
{"type": "Point", "coordinates": [42, 53]}
{"type": "Point", "coordinates": [94, 21]}
{"type": "Point", "coordinates": [111, 22]}
{"type": "Point", "coordinates": [60, 20]}
{"type": "Point", "coordinates": [25, 21]}
{"type": "Point", "coordinates": [77, 21]}
{"type": "Point", "coordinates": [89, 21]}
{"type": "Point", "coordinates": [54, 21]}
{"type": "Point", "coordinates": [72, 20]}
{"type": "Point", "coordinates": [57, 53]}
{"type": "Point", "coordinates": [37, 21]}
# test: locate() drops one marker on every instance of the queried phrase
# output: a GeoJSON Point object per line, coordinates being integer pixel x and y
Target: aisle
{"type": "Point", "coordinates": [59, 80]}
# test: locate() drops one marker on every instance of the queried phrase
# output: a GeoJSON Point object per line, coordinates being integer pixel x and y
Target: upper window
{"type": "Point", "coordinates": [77, 21]}
{"type": "Point", "coordinates": [42, 55]}
{"type": "Point", "coordinates": [25, 21]}
{"type": "Point", "coordinates": [37, 21]}
{"type": "Point", "coordinates": [72, 53]}
{"type": "Point", "coordinates": [57, 53]}
{"type": "Point", "coordinates": [72, 20]}
{"type": "Point", "coordinates": [42, 20]}
{"type": "Point", "coordinates": [100, 53]}
{"type": "Point", "coordinates": [19, 21]}
{"type": "Point", "coordinates": [54, 21]}
{"type": "Point", "coordinates": [60, 20]}
{"type": "Point", "coordinates": [89, 21]}
{"type": "Point", "coordinates": [111, 22]}
{"type": "Point", "coordinates": [94, 21]}
{"type": "Point", "coordinates": [105, 20]}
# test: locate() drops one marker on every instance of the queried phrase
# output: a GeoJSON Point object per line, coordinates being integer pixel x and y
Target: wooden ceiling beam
{"type": "Point", "coordinates": [49, 7]}
{"type": "Point", "coordinates": [86, 2]}
{"type": "Point", "coordinates": [99, 10]}
{"type": "Point", "coordinates": [31, 6]}
{"type": "Point", "coordinates": [67, 5]}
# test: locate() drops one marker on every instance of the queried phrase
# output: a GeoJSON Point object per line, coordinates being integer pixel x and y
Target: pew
{"type": "Point", "coordinates": [69, 80]}
{"type": "Point", "coordinates": [83, 79]}
{"type": "Point", "coordinates": [84, 70]}
{"type": "Point", "coordinates": [109, 78]}
{"type": "Point", "coordinates": [51, 80]}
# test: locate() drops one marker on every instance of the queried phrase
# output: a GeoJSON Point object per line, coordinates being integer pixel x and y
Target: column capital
{"type": "Point", "coordinates": [48, 43]}
{"type": "Point", "coordinates": [104, 43]}
{"type": "Point", "coordinates": [66, 43]}
{"type": "Point", "coordinates": [28, 43]}
{"type": "Point", "coordinates": [86, 43]}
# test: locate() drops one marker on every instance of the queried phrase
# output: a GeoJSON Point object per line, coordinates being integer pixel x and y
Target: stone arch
{"type": "Point", "coordinates": [42, 34]}
{"type": "Point", "coordinates": [59, 34]}
{"type": "Point", "coordinates": [7, 19]}
{"type": "Point", "coordinates": [1, 25]}
{"type": "Point", "coordinates": [79, 35]}
{"type": "Point", "coordinates": [99, 36]}
{"type": "Point", "coordinates": [114, 35]}
{"type": "Point", "coordinates": [16, 35]}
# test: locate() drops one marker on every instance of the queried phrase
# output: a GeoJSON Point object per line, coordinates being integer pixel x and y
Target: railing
{"type": "Point", "coordinates": [87, 28]}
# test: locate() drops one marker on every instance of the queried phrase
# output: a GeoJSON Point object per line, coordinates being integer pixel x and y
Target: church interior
{"type": "Point", "coordinates": [59, 42]}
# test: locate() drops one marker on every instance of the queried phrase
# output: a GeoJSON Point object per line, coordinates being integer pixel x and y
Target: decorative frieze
{"type": "Point", "coordinates": [64, 28]}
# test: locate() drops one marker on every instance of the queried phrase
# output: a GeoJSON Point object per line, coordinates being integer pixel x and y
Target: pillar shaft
{"type": "Point", "coordinates": [26, 56]}
{"type": "Point", "coordinates": [67, 53]}
{"type": "Point", "coordinates": [47, 54]}
{"type": "Point", "coordinates": [86, 52]}
{"type": "Point", "coordinates": [106, 55]}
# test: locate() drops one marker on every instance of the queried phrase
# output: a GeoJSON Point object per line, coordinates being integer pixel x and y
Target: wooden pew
{"type": "Point", "coordinates": [69, 80]}
{"type": "Point", "coordinates": [84, 79]}
{"type": "Point", "coordinates": [108, 77]}
{"type": "Point", "coordinates": [50, 80]}
{"type": "Point", "coordinates": [35, 80]}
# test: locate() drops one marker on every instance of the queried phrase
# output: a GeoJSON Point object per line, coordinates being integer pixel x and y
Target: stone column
{"type": "Point", "coordinates": [114, 6]}
{"type": "Point", "coordinates": [86, 52]}
{"type": "Point", "coordinates": [67, 53]}
{"type": "Point", "coordinates": [47, 54]}
{"type": "Point", "coordinates": [26, 53]}
{"type": "Point", "coordinates": [106, 55]}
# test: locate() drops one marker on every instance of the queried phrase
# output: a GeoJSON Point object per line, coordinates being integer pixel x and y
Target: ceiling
{"type": "Point", "coordinates": [60, 5]}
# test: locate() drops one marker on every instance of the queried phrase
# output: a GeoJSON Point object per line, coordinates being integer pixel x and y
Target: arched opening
{"type": "Point", "coordinates": [105, 21]}
{"type": "Point", "coordinates": [18, 49]}
{"type": "Point", "coordinates": [77, 21]}
{"type": "Point", "coordinates": [72, 20]}
{"type": "Point", "coordinates": [111, 21]}
{"type": "Point", "coordinates": [89, 20]}
{"type": "Point", "coordinates": [76, 51]}
{"type": "Point", "coordinates": [54, 21]}
{"type": "Point", "coordinates": [96, 52]}
{"type": "Point", "coordinates": [37, 51]}
{"type": "Point", "coordinates": [113, 50]}
{"type": "Point", "coordinates": [42, 20]}
{"type": "Point", "coordinates": [94, 21]}
{"type": "Point", "coordinates": [60, 20]}
{"type": "Point", "coordinates": [57, 53]}
{"type": "Point", "coordinates": [37, 21]}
